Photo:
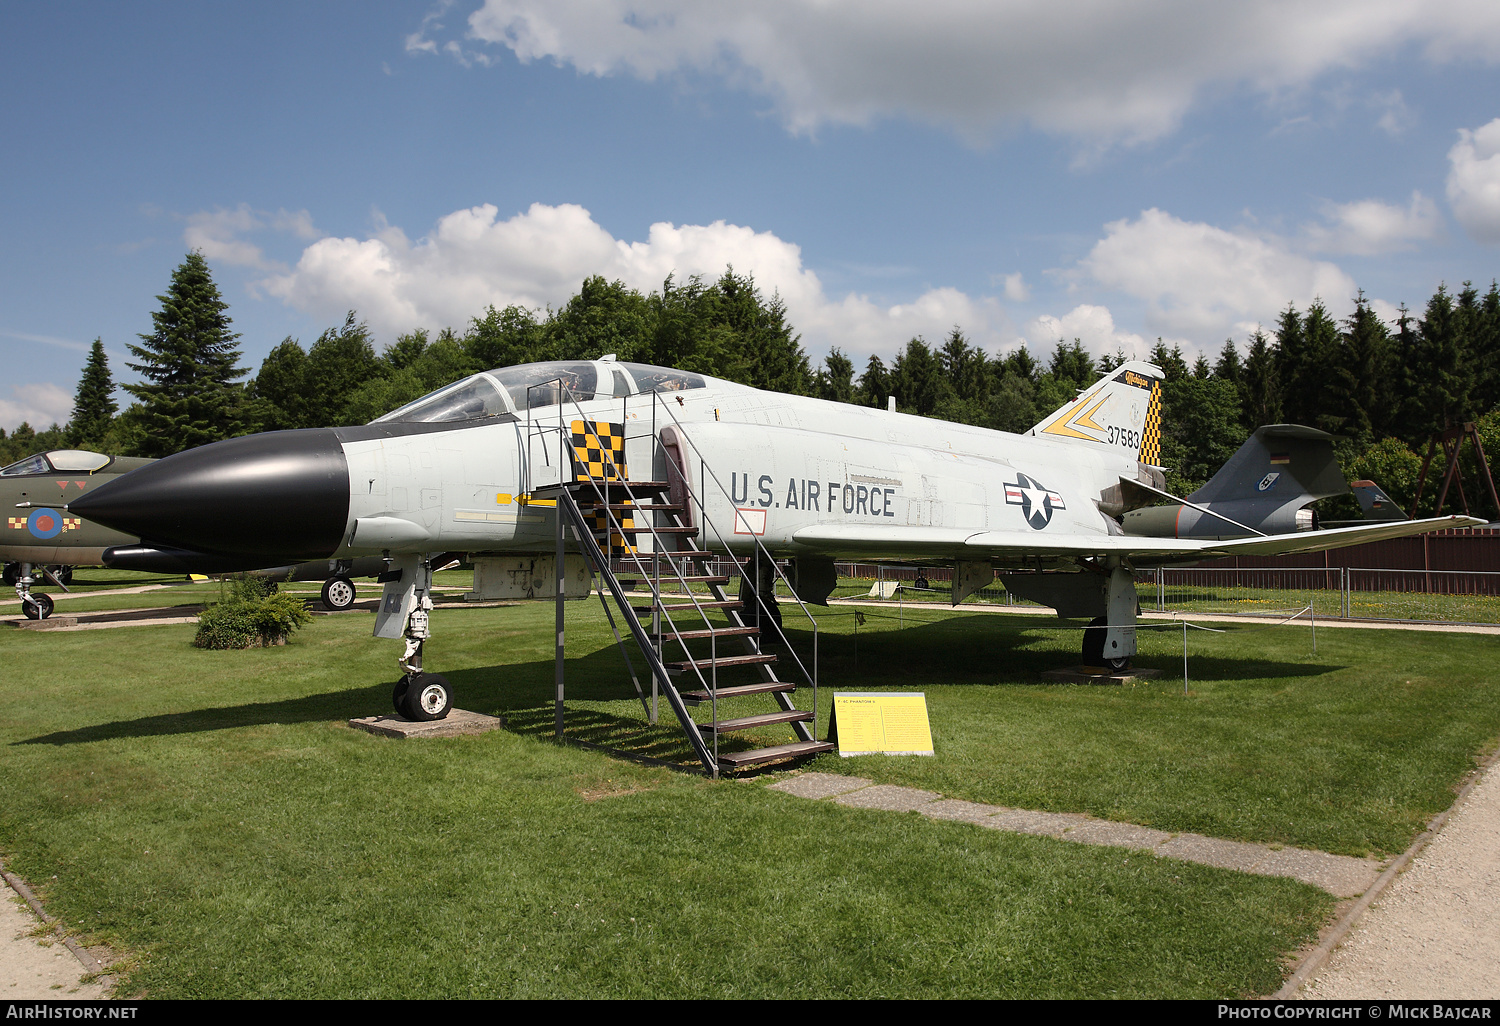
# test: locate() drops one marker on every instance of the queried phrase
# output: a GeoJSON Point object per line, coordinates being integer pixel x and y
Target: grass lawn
{"type": "Point", "coordinates": [209, 813]}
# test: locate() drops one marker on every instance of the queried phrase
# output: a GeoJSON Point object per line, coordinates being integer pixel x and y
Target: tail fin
{"type": "Point", "coordinates": [1122, 410]}
{"type": "Point", "coordinates": [1278, 463]}
{"type": "Point", "coordinates": [1377, 505]}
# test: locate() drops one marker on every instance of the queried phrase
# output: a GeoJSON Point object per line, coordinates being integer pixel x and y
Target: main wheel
{"type": "Point", "coordinates": [12, 574]}
{"type": "Point", "coordinates": [39, 608]}
{"type": "Point", "coordinates": [920, 583]}
{"type": "Point", "coordinates": [338, 593]}
{"type": "Point", "coordinates": [428, 698]}
{"type": "Point", "coordinates": [1093, 647]}
{"type": "Point", "coordinates": [64, 574]}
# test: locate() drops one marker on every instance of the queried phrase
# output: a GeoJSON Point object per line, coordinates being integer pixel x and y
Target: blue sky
{"type": "Point", "coordinates": [1113, 172]}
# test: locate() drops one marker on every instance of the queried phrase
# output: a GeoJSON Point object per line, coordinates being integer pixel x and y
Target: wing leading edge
{"type": "Point", "coordinates": [902, 542]}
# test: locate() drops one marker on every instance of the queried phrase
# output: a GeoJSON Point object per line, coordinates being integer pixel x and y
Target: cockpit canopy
{"type": "Point", "coordinates": [73, 461]}
{"type": "Point", "coordinates": [513, 390]}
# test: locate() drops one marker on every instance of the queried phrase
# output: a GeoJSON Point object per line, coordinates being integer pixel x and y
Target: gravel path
{"type": "Point", "coordinates": [36, 968]}
{"type": "Point", "coordinates": [1435, 932]}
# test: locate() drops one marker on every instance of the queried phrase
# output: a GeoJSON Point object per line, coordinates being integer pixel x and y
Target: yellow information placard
{"type": "Point", "coordinates": [880, 723]}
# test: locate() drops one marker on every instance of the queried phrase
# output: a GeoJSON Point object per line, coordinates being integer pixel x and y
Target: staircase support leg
{"type": "Point", "coordinates": [557, 714]}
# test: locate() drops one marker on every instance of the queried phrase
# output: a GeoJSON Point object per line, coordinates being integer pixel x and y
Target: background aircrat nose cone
{"type": "Point", "coordinates": [283, 494]}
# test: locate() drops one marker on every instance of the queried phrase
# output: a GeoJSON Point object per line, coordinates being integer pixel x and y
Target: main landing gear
{"type": "Point", "coordinates": [418, 695]}
{"type": "Point", "coordinates": [1109, 640]}
{"type": "Point", "coordinates": [338, 593]}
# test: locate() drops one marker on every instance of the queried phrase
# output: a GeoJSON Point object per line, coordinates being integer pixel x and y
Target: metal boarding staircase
{"type": "Point", "coordinates": [645, 528]}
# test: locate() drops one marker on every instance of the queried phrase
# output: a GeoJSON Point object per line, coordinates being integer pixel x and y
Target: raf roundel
{"type": "Point", "coordinates": [44, 523]}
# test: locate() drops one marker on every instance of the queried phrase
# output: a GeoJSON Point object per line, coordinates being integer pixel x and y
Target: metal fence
{"type": "Point", "coordinates": [1410, 596]}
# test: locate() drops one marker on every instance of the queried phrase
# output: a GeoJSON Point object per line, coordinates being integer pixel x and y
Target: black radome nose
{"type": "Point", "coordinates": [278, 494]}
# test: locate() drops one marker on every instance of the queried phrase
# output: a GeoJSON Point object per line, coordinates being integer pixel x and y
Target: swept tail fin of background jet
{"type": "Point", "coordinates": [1120, 411]}
{"type": "Point", "coordinates": [1265, 485]}
{"type": "Point", "coordinates": [1377, 505]}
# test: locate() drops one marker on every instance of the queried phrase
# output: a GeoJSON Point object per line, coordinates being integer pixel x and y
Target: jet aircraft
{"type": "Point", "coordinates": [483, 466]}
{"type": "Point", "coordinates": [1266, 487]}
{"type": "Point", "coordinates": [43, 541]}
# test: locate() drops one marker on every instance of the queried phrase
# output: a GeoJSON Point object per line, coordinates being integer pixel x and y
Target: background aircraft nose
{"type": "Point", "coordinates": [278, 494]}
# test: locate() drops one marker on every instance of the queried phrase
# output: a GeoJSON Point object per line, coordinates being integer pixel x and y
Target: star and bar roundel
{"type": "Point", "coordinates": [1037, 501]}
{"type": "Point", "coordinates": [45, 523]}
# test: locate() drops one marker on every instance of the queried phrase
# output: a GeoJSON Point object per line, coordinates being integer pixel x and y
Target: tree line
{"type": "Point", "coordinates": [1384, 390]}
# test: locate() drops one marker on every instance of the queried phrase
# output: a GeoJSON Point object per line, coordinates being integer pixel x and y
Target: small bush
{"type": "Point", "coordinates": [247, 623]}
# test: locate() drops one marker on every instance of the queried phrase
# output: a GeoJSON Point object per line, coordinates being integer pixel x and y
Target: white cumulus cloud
{"type": "Point", "coordinates": [1370, 227]}
{"type": "Point", "coordinates": [1205, 282]}
{"type": "Point", "coordinates": [1093, 326]}
{"type": "Point", "coordinates": [40, 404]}
{"type": "Point", "coordinates": [1474, 181]}
{"type": "Point", "coordinates": [218, 233]}
{"type": "Point", "coordinates": [473, 259]}
{"type": "Point", "coordinates": [1097, 69]}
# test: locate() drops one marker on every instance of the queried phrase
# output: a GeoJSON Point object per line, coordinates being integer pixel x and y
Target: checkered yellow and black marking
{"type": "Point", "coordinates": [1151, 436]}
{"type": "Point", "coordinates": [598, 451]}
{"type": "Point", "coordinates": [599, 455]}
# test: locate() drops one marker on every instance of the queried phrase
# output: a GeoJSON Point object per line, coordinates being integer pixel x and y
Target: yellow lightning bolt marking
{"type": "Point", "coordinates": [1065, 427]}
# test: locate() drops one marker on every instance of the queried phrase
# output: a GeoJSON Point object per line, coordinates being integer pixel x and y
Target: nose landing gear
{"type": "Point", "coordinates": [418, 695]}
{"type": "Point", "coordinates": [36, 606]}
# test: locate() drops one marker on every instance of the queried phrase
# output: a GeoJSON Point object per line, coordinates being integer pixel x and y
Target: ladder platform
{"type": "Point", "coordinates": [797, 750]}
{"type": "Point", "coordinates": [756, 659]}
{"type": "Point", "coordinates": [759, 720]}
{"type": "Point", "coordinates": [763, 688]}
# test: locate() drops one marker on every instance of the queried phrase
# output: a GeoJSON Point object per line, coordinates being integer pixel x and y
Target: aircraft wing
{"type": "Point", "coordinates": [898, 542]}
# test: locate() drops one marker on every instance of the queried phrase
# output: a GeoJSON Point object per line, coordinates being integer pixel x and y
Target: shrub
{"type": "Point", "coordinates": [246, 623]}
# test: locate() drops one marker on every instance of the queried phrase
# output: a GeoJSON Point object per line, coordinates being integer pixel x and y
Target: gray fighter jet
{"type": "Point", "coordinates": [1266, 487]}
{"type": "Point", "coordinates": [672, 467]}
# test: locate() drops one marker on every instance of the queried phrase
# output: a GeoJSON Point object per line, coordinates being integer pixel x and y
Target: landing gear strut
{"type": "Point", "coordinates": [758, 595]}
{"type": "Point", "coordinates": [418, 695]}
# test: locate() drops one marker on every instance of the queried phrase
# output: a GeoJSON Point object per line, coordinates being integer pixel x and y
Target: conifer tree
{"type": "Point", "coordinates": [189, 397]}
{"type": "Point", "coordinates": [1260, 396]}
{"type": "Point", "coordinates": [1352, 387]}
{"type": "Point", "coordinates": [1441, 375]}
{"type": "Point", "coordinates": [94, 405]}
{"type": "Point", "coordinates": [836, 379]}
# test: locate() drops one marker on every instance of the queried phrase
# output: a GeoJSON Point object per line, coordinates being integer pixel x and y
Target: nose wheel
{"type": "Point", "coordinates": [422, 697]}
{"type": "Point", "coordinates": [37, 606]}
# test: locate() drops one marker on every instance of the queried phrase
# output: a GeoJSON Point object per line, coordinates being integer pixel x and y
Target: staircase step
{"type": "Point", "coordinates": [588, 489]}
{"type": "Point", "coordinates": [689, 554]}
{"type": "Point", "coordinates": [644, 584]}
{"type": "Point", "coordinates": [591, 505]}
{"type": "Point", "coordinates": [735, 760]}
{"type": "Point", "coordinates": [759, 720]}
{"type": "Point", "coordinates": [643, 529]}
{"type": "Point", "coordinates": [675, 607]}
{"type": "Point", "coordinates": [763, 688]}
{"type": "Point", "coordinates": [714, 632]}
{"type": "Point", "coordinates": [756, 659]}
